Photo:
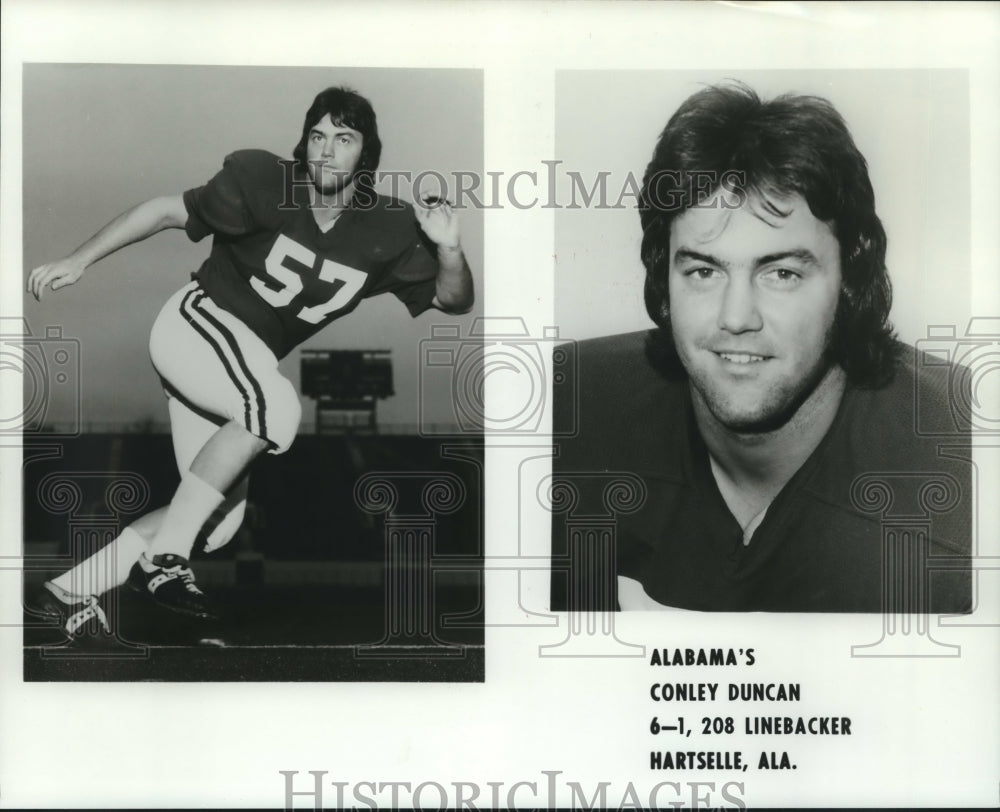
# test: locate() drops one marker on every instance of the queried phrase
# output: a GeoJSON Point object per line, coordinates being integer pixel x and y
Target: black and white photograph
{"type": "Point", "coordinates": [769, 423]}
{"type": "Point", "coordinates": [215, 485]}
{"type": "Point", "coordinates": [556, 405]}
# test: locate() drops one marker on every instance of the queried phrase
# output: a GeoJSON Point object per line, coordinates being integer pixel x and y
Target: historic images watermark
{"type": "Point", "coordinates": [549, 791]}
{"type": "Point", "coordinates": [548, 187]}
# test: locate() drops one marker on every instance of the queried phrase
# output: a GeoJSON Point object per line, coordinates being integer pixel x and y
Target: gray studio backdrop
{"type": "Point", "coordinates": [911, 125]}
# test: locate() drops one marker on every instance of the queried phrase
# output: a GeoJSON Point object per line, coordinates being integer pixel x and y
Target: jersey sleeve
{"type": "Point", "coordinates": [413, 278]}
{"type": "Point", "coordinates": [224, 205]}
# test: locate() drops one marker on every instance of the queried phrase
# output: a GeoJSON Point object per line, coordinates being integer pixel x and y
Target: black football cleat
{"type": "Point", "coordinates": [80, 619]}
{"type": "Point", "coordinates": [171, 584]}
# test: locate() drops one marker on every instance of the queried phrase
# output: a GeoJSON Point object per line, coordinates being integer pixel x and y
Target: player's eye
{"type": "Point", "coordinates": [700, 272]}
{"type": "Point", "coordinates": [782, 277]}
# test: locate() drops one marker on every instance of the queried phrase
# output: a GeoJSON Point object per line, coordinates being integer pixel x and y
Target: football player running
{"type": "Point", "coordinates": [296, 245]}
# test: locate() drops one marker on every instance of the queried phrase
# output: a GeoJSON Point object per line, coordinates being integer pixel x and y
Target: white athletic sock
{"type": "Point", "coordinates": [105, 569]}
{"type": "Point", "coordinates": [190, 508]}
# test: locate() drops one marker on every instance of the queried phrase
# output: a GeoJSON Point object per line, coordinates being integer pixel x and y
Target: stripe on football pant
{"type": "Point", "coordinates": [230, 355]}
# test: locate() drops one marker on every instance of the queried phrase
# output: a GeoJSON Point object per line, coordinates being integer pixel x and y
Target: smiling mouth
{"type": "Point", "coordinates": [741, 357]}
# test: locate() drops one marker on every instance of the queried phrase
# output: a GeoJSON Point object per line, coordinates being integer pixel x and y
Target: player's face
{"type": "Point", "coordinates": [752, 304]}
{"type": "Point", "coordinates": [333, 153]}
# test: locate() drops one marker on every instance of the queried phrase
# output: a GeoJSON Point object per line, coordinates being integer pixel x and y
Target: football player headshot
{"type": "Point", "coordinates": [296, 244]}
{"type": "Point", "coordinates": [771, 409]}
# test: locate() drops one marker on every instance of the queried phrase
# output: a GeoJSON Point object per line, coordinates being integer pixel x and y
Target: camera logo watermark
{"type": "Point", "coordinates": [46, 368]}
{"type": "Point", "coordinates": [964, 368]}
{"type": "Point", "coordinates": [502, 351]}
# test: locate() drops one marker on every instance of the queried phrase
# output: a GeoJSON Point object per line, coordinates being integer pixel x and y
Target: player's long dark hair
{"type": "Point", "coordinates": [347, 108]}
{"type": "Point", "coordinates": [726, 139]}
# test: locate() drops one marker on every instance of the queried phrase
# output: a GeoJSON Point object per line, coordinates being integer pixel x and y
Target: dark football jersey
{"type": "Point", "coordinates": [879, 517]}
{"type": "Point", "coordinates": [272, 266]}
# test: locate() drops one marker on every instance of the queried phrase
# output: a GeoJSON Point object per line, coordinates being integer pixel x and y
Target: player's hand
{"type": "Point", "coordinates": [55, 274]}
{"type": "Point", "coordinates": [439, 221]}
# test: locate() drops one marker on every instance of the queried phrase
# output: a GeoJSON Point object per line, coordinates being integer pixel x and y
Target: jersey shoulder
{"type": "Point", "coordinates": [265, 184]}
{"type": "Point", "coordinates": [262, 176]}
{"type": "Point", "coordinates": [389, 229]}
{"type": "Point", "coordinates": [924, 400]}
{"type": "Point", "coordinates": [623, 371]}
{"type": "Point", "coordinates": [244, 195]}
{"type": "Point", "coordinates": [895, 436]}
{"type": "Point", "coordinates": [617, 407]}
{"type": "Point", "coordinates": [258, 165]}
{"type": "Point", "coordinates": [385, 213]}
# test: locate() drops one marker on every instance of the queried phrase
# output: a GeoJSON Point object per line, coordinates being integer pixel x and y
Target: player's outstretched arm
{"type": "Point", "coordinates": [136, 224]}
{"type": "Point", "coordinates": [455, 292]}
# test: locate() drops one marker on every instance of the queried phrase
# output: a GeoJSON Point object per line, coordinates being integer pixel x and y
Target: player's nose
{"type": "Point", "coordinates": [738, 311]}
